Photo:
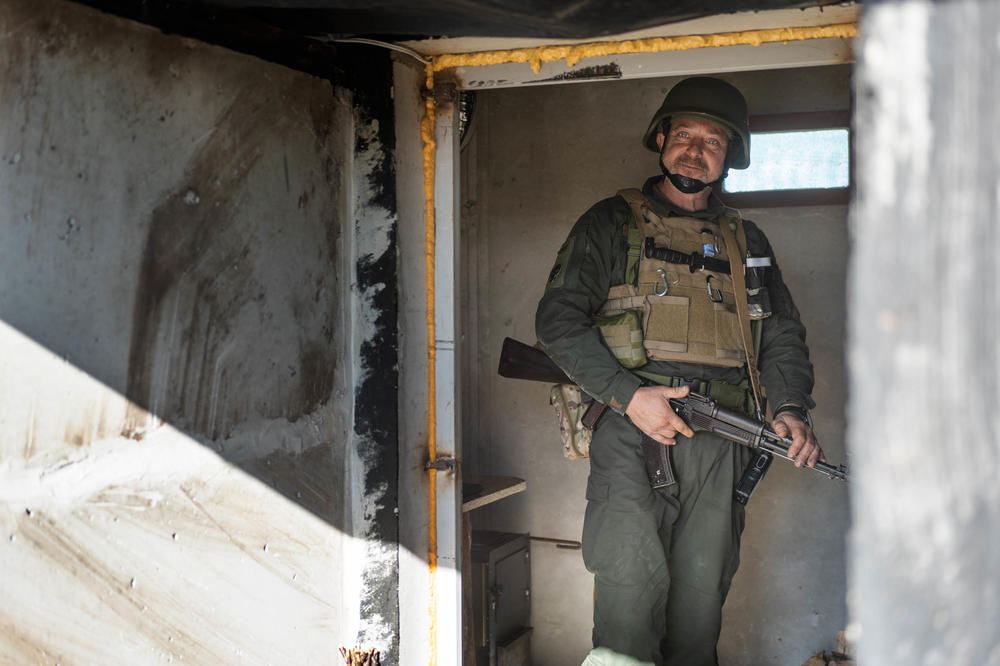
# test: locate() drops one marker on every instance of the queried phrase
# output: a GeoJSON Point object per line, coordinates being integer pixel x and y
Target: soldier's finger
{"type": "Point", "coordinates": [681, 427]}
{"type": "Point", "coordinates": [663, 439]}
{"type": "Point", "coordinates": [819, 449]}
{"type": "Point", "coordinates": [807, 456]}
{"type": "Point", "coordinates": [814, 457]}
{"type": "Point", "coordinates": [795, 449]}
{"type": "Point", "coordinates": [675, 391]}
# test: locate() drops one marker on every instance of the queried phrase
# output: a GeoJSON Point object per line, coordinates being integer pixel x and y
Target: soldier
{"type": "Point", "coordinates": [642, 293]}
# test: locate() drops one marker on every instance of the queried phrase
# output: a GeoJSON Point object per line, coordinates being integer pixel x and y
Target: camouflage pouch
{"type": "Point", "coordinates": [570, 403]}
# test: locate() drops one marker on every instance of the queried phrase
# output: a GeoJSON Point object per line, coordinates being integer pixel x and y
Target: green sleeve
{"type": "Point", "coordinates": [785, 369]}
{"type": "Point", "coordinates": [590, 261]}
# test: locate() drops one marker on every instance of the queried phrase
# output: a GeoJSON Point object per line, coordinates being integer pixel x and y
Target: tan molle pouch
{"type": "Point", "coordinates": [623, 336]}
{"type": "Point", "coordinates": [570, 404]}
{"type": "Point", "coordinates": [666, 324]}
{"type": "Point", "coordinates": [728, 342]}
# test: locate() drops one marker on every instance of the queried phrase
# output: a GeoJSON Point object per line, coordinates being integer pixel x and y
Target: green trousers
{"type": "Point", "coordinates": [662, 559]}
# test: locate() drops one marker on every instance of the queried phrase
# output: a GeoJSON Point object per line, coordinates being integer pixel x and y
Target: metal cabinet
{"type": "Point", "coordinates": [501, 587]}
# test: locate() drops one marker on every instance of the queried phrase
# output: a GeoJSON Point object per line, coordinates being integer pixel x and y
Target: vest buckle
{"type": "Point", "coordinates": [661, 290]}
{"type": "Point", "coordinates": [714, 295]}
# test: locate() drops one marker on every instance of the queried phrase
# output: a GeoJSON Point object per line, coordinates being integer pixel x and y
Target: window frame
{"type": "Point", "coordinates": [790, 122]}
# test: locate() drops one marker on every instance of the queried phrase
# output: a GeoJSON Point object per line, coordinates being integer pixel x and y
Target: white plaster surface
{"type": "Point", "coordinates": [118, 551]}
{"type": "Point", "coordinates": [924, 363]}
{"type": "Point", "coordinates": [175, 397]}
{"type": "Point", "coordinates": [414, 584]}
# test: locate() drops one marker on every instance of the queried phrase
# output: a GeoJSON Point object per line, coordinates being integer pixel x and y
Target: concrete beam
{"type": "Point", "coordinates": [805, 53]}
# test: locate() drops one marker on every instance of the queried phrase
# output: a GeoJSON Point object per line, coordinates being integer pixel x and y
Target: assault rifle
{"type": "Point", "coordinates": [520, 361]}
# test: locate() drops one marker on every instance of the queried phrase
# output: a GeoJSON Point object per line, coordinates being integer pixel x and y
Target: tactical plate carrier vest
{"type": "Point", "coordinates": [673, 311]}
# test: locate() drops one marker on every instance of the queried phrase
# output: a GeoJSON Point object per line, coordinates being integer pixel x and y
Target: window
{"type": "Point", "coordinates": [795, 159]}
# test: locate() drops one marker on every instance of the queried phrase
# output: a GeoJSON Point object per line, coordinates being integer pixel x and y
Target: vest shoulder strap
{"type": "Point", "coordinates": [732, 217]}
{"type": "Point", "coordinates": [633, 196]}
{"type": "Point", "coordinates": [635, 199]}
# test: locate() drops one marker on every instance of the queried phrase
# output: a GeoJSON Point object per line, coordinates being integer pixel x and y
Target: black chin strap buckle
{"type": "Point", "coordinates": [685, 184]}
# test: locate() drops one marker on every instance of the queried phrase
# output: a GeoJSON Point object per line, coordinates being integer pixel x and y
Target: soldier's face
{"type": "Point", "coordinates": [694, 148]}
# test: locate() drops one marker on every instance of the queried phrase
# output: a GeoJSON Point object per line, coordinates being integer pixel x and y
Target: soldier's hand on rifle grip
{"type": "Point", "coordinates": [805, 449]}
{"type": "Point", "coordinates": [650, 411]}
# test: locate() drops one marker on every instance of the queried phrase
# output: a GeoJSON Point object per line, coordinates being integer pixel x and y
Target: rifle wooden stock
{"type": "Point", "coordinates": [521, 361]}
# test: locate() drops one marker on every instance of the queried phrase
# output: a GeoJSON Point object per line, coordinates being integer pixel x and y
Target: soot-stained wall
{"type": "Point", "coordinates": [198, 312]}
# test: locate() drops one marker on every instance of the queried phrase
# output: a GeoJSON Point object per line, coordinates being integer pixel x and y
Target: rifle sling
{"type": "Point", "coordinates": [730, 224]}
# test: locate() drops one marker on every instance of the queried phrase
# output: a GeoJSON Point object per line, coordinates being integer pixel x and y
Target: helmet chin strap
{"type": "Point", "coordinates": [685, 184]}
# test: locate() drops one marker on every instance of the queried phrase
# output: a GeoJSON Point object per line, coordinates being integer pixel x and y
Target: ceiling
{"type": "Point", "coordinates": [395, 20]}
{"type": "Point", "coordinates": [308, 34]}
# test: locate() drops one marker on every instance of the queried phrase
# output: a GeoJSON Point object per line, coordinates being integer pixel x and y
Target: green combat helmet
{"type": "Point", "coordinates": [711, 99]}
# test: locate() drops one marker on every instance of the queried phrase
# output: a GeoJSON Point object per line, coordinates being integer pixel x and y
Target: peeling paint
{"type": "Point", "coordinates": [610, 71]}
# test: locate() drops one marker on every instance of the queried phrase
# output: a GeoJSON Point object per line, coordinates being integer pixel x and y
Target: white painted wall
{"type": "Point", "coordinates": [924, 358]}
{"type": "Point", "coordinates": [538, 158]}
{"type": "Point", "coordinates": [179, 475]}
{"type": "Point", "coordinates": [414, 582]}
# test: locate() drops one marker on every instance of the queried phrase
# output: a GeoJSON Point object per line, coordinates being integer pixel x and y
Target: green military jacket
{"type": "Point", "coordinates": [594, 258]}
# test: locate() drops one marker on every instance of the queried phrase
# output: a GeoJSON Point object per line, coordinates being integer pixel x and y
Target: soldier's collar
{"type": "Point", "coordinates": [664, 208]}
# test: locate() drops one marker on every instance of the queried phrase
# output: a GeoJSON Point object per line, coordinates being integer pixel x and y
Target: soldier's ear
{"type": "Point", "coordinates": [660, 138]}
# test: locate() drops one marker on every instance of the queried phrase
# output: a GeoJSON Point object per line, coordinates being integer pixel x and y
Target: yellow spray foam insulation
{"type": "Point", "coordinates": [430, 145]}
{"type": "Point", "coordinates": [574, 53]}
